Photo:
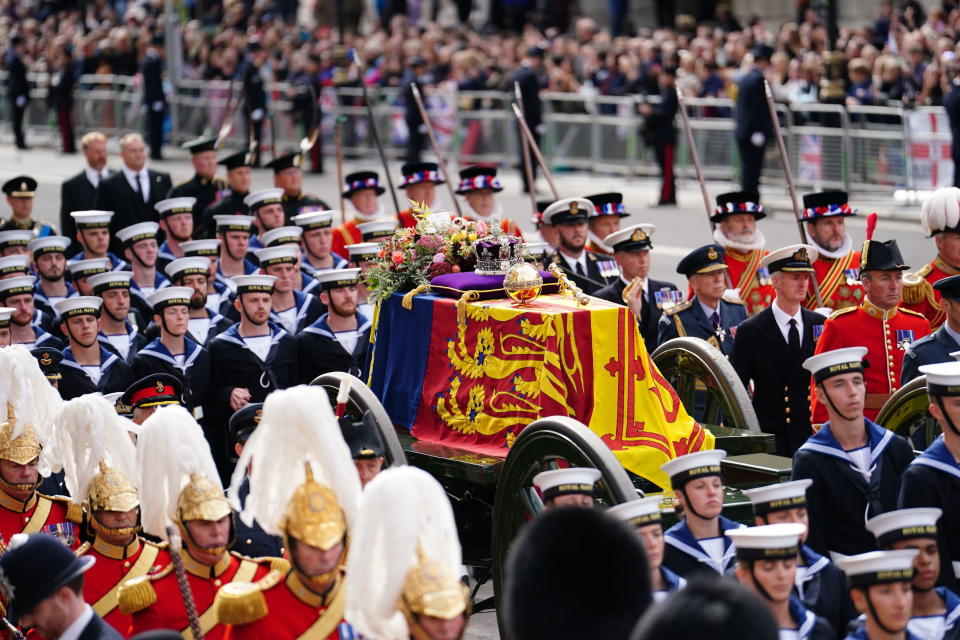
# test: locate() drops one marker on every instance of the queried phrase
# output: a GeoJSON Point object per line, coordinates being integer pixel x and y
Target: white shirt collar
{"type": "Point", "coordinates": [783, 320]}
{"type": "Point", "coordinates": [77, 626]}
{"type": "Point", "coordinates": [707, 311]}
{"type": "Point", "coordinates": [131, 174]}
{"type": "Point", "coordinates": [93, 175]}
{"type": "Point", "coordinates": [572, 262]}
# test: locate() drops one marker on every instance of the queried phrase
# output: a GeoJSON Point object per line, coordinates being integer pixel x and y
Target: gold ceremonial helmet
{"type": "Point", "coordinates": [24, 448]}
{"type": "Point", "coordinates": [430, 589]}
{"type": "Point", "coordinates": [202, 499]}
{"type": "Point", "coordinates": [110, 490]}
{"type": "Point", "coordinates": [314, 515]}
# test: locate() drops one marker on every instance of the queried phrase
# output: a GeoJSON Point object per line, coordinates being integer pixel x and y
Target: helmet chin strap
{"type": "Point", "coordinates": [830, 402]}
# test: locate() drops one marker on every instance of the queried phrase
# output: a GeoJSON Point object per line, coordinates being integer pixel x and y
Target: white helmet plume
{"type": "Point", "coordinates": [941, 210]}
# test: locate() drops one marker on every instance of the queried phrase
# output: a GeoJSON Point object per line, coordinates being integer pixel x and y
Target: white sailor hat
{"type": "Point", "coordinates": [15, 238]}
{"type": "Point", "coordinates": [5, 313]}
{"type": "Point", "coordinates": [234, 222]}
{"type": "Point", "coordinates": [283, 254]}
{"type": "Point", "coordinates": [16, 286]}
{"type": "Point", "coordinates": [779, 497]}
{"type": "Point", "coordinates": [768, 542]}
{"type": "Point", "coordinates": [904, 524]}
{"type": "Point", "coordinates": [568, 210]}
{"type": "Point", "coordinates": [281, 236]}
{"type": "Point", "coordinates": [92, 219]}
{"type": "Point", "coordinates": [943, 378]}
{"type": "Point", "coordinates": [254, 283]}
{"type": "Point", "coordinates": [137, 232]}
{"type": "Point", "coordinates": [797, 258]}
{"type": "Point", "coordinates": [194, 265]}
{"type": "Point", "coordinates": [535, 249]}
{"type": "Point", "coordinates": [955, 355]}
{"type": "Point", "coordinates": [110, 280]}
{"type": "Point", "coordinates": [564, 482]}
{"type": "Point", "coordinates": [835, 362]}
{"type": "Point", "coordinates": [314, 219]}
{"type": "Point", "coordinates": [878, 567]}
{"type": "Point", "coordinates": [636, 237]}
{"type": "Point", "coordinates": [363, 251]}
{"type": "Point", "coordinates": [209, 247]}
{"type": "Point", "coordinates": [78, 306]}
{"type": "Point", "coordinates": [335, 278]}
{"type": "Point", "coordinates": [18, 263]}
{"type": "Point", "coordinates": [263, 197]}
{"type": "Point", "coordinates": [638, 513]}
{"type": "Point", "coordinates": [172, 206]}
{"type": "Point", "coordinates": [691, 466]}
{"type": "Point", "coordinates": [376, 230]}
{"type": "Point", "coordinates": [170, 297]}
{"type": "Point", "coordinates": [88, 267]}
{"type": "Point", "coordinates": [49, 244]}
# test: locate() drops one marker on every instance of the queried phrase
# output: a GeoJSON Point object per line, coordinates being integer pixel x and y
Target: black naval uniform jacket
{"type": "Point", "coordinates": [824, 590]}
{"type": "Point", "coordinates": [194, 377]}
{"type": "Point", "coordinates": [233, 364]}
{"type": "Point", "coordinates": [115, 375]}
{"type": "Point", "coordinates": [650, 313]}
{"type": "Point", "coordinates": [135, 339]}
{"type": "Point", "coordinates": [231, 203]}
{"type": "Point", "coordinates": [320, 351]}
{"type": "Point", "coordinates": [929, 349]}
{"type": "Point", "coordinates": [841, 500]}
{"type": "Point", "coordinates": [688, 319]}
{"type": "Point", "coordinates": [781, 386]}
{"type": "Point", "coordinates": [204, 190]}
{"type": "Point", "coordinates": [252, 540]}
{"type": "Point", "coordinates": [601, 271]}
{"type": "Point", "coordinates": [293, 205]}
{"type": "Point", "coordinates": [933, 480]}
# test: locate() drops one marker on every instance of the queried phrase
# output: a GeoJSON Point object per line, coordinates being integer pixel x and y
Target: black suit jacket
{"type": "Point", "coordinates": [781, 386]}
{"type": "Point", "coordinates": [115, 194]}
{"type": "Point", "coordinates": [97, 629]}
{"type": "Point", "coordinates": [951, 102]}
{"type": "Point", "coordinates": [17, 84]}
{"type": "Point", "coordinates": [648, 323]}
{"type": "Point", "coordinates": [76, 194]}
{"type": "Point", "coordinates": [529, 83]}
{"type": "Point", "coordinates": [601, 271]}
{"type": "Point", "coordinates": [752, 112]}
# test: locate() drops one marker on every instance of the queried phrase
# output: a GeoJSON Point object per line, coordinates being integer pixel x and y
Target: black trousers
{"type": "Point", "coordinates": [665, 152]}
{"type": "Point", "coordinates": [414, 140]}
{"type": "Point", "coordinates": [255, 129]}
{"type": "Point", "coordinates": [533, 158]}
{"type": "Point", "coordinates": [17, 114]}
{"type": "Point", "coordinates": [751, 163]}
{"type": "Point", "coordinates": [956, 170]}
{"type": "Point", "coordinates": [155, 133]}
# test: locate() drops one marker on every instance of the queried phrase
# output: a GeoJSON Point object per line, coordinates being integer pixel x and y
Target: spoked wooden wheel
{"type": "Point", "coordinates": [906, 414]}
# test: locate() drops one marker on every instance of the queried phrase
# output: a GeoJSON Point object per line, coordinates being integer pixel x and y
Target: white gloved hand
{"type": "Point", "coordinates": [757, 139]}
{"type": "Point", "coordinates": [21, 101]}
{"type": "Point", "coordinates": [157, 105]}
{"type": "Point", "coordinates": [257, 115]}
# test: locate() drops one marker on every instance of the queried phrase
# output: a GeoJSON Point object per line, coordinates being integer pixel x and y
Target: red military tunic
{"type": "Point", "coordinates": [919, 294]}
{"type": "Point", "coordinates": [39, 514]}
{"type": "Point", "coordinates": [743, 268]}
{"type": "Point", "coordinates": [886, 335]}
{"type": "Point", "coordinates": [155, 603]}
{"type": "Point", "coordinates": [597, 249]}
{"type": "Point", "coordinates": [836, 290]}
{"type": "Point", "coordinates": [293, 611]}
{"type": "Point", "coordinates": [115, 565]}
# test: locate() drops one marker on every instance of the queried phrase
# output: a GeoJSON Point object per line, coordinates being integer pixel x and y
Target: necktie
{"type": "Point", "coordinates": [715, 319]}
{"type": "Point", "coordinates": [139, 189]}
{"type": "Point", "coordinates": [580, 270]}
{"type": "Point", "coordinates": [793, 336]}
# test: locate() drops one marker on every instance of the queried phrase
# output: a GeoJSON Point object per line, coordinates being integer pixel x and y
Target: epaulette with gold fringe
{"type": "Point", "coordinates": [136, 594]}
{"type": "Point", "coordinates": [732, 299]}
{"type": "Point", "coordinates": [243, 602]}
{"type": "Point", "coordinates": [163, 544]}
{"type": "Point", "coordinates": [840, 312]}
{"type": "Point", "coordinates": [74, 510]}
{"type": "Point", "coordinates": [686, 304]}
{"type": "Point", "coordinates": [916, 288]}
{"type": "Point", "coordinates": [911, 312]}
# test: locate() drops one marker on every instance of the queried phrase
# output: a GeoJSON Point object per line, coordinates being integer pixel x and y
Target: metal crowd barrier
{"type": "Point", "coordinates": [830, 146]}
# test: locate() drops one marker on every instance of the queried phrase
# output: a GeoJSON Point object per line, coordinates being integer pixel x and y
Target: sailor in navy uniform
{"type": "Point", "coordinates": [643, 514]}
{"type": "Point", "coordinates": [266, 207]}
{"type": "Point", "coordinates": [362, 256]}
{"type": "Point", "coordinates": [290, 236]}
{"type": "Point", "coordinates": [567, 487]}
{"type": "Point", "coordinates": [252, 541]}
{"type": "Point", "coordinates": [218, 286]}
{"type": "Point", "coordinates": [936, 610]}
{"type": "Point", "coordinates": [889, 616]}
{"type": "Point", "coordinates": [340, 339]}
{"type": "Point", "coordinates": [50, 265]}
{"type": "Point", "coordinates": [698, 544]}
{"type": "Point", "coordinates": [176, 222]}
{"type": "Point", "coordinates": [93, 234]}
{"type": "Point", "coordinates": [234, 234]}
{"type": "Point", "coordinates": [933, 478]}
{"type": "Point", "coordinates": [631, 251]}
{"type": "Point", "coordinates": [247, 361]}
{"type": "Point", "coordinates": [173, 352]}
{"type": "Point", "coordinates": [139, 243]}
{"type": "Point", "coordinates": [288, 176]}
{"type": "Point", "coordinates": [711, 314]}
{"type": "Point", "coordinates": [317, 242]}
{"type": "Point", "coordinates": [204, 187]}
{"type": "Point", "coordinates": [203, 323]}
{"type": "Point", "coordinates": [230, 199]}
{"type": "Point", "coordinates": [87, 365]}
{"type": "Point", "coordinates": [20, 192]}
{"type": "Point", "coordinates": [15, 265]}
{"type": "Point", "coordinates": [15, 242]}
{"type": "Point", "coordinates": [854, 463]}
{"type": "Point", "coordinates": [82, 270]}
{"type": "Point", "coordinates": [820, 585]}
{"type": "Point", "coordinates": [766, 552]}
{"type": "Point", "coordinates": [5, 314]}
{"type": "Point", "coordinates": [117, 332]}
{"type": "Point", "coordinates": [28, 325]}
{"type": "Point", "coordinates": [937, 346]}
{"type": "Point", "coordinates": [291, 309]}
{"type": "Point", "coordinates": [587, 269]}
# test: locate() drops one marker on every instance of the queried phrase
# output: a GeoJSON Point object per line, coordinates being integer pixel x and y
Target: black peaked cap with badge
{"type": "Point", "coordinates": [705, 259]}
{"type": "Point", "coordinates": [244, 421]}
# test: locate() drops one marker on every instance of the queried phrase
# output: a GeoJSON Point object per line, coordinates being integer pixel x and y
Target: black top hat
{"type": "Point", "coordinates": [417, 172]}
{"type": "Point", "coordinates": [237, 160]}
{"type": "Point", "coordinates": [33, 568]}
{"type": "Point", "coordinates": [607, 204]}
{"type": "Point", "coordinates": [244, 421]}
{"type": "Point", "coordinates": [476, 178]}
{"type": "Point", "coordinates": [880, 256]}
{"type": "Point", "coordinates": [49, 361]}
{"type": "Point", "coordinates": [738, 202]}
{"type": "Point", "coordinates": [20, 187]}
{"type": "Point", "coordinates": [154, 390]}
{"type": "Point", "coordinates": [362, 437]}
{"type": "Point", "coordinates": [825, 204]}
{"type": "Point", "coordinates": [361, 180]}
{"type": "Point", "coordinates": [704, 259]}
{"type": "Point", "coordinates": [288, 160]}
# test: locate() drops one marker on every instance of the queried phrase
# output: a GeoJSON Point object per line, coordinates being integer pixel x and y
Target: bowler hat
{"type": "Point", "coordinates": [33, 568]}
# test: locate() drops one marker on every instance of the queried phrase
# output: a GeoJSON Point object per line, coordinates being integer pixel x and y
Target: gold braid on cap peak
{"type": "Point", "coordinates": [431, 589]}
{"type": "Point", "coordinates": [202, 499]}
{"type": "Point", "coordinates": [25, 447]}
{"type": "Point", "coordinates": [314, 515]}
{"type": "Point", "coordinates": [110, 490]}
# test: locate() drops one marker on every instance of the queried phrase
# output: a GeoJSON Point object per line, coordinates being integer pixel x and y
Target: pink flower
{"type": "Point", "coordinates": [456, 268]}
{"type": "Point", "coordinates": [481, 229]}
{"type": "Point", "coordinates": [397, 257]}
{"type": "Point", "coordinates": [431, 242]}
{"type": "Point", "coordinates": [439, 258]}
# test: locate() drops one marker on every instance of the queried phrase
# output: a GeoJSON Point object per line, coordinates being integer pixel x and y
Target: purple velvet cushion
{"type": "Point", "coordinates": [454, 285]}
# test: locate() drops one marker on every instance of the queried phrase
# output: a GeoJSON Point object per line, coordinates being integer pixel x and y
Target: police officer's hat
{"type": "Point", "coordinates": [377, 230]}
{"type": "Point", "coordinates": [15, 264]}
{"type": "Point", "coordinates": [34, 567]}
{"type": "Point", "coordinates": [362, 180]}
{"type": "Point", "coordinates": [289, 160]}
{"type": "Point", "coordinates": [567, 210]}
{"type": "Point", "coordinates": [417, 172]}
{"type": "Point", "coordinates": [155, 390]}
{"type": "Point", "coordinates": [826, 204]}
{"type": "Point", "coordinates": [705, 259]}
{"type": "Point", "coordinates": [200, 145]}
{"type": "Point", "coordinates": [237, 160]}
{"type": "Point", "coordinates": [244, 421]}
{"type": "Point", "coordinates": [49, 361]}
{"type": "Point", "coordinates": [880, 256]}
{"type": "Point", "coordinates": [362, 437]}
{"type": "Point", "coordinates": [20, 187]}
{"type": "Point", "coordinates": [477, 178]}
{"type": "Point", "coordinates": [948, 287]}
{"type": "Point", "coordinates": [738, 202]}
{"type": "Point", "coordinates": [607, 204]}
{"type": "Point", "coordinates": [633, 238]}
